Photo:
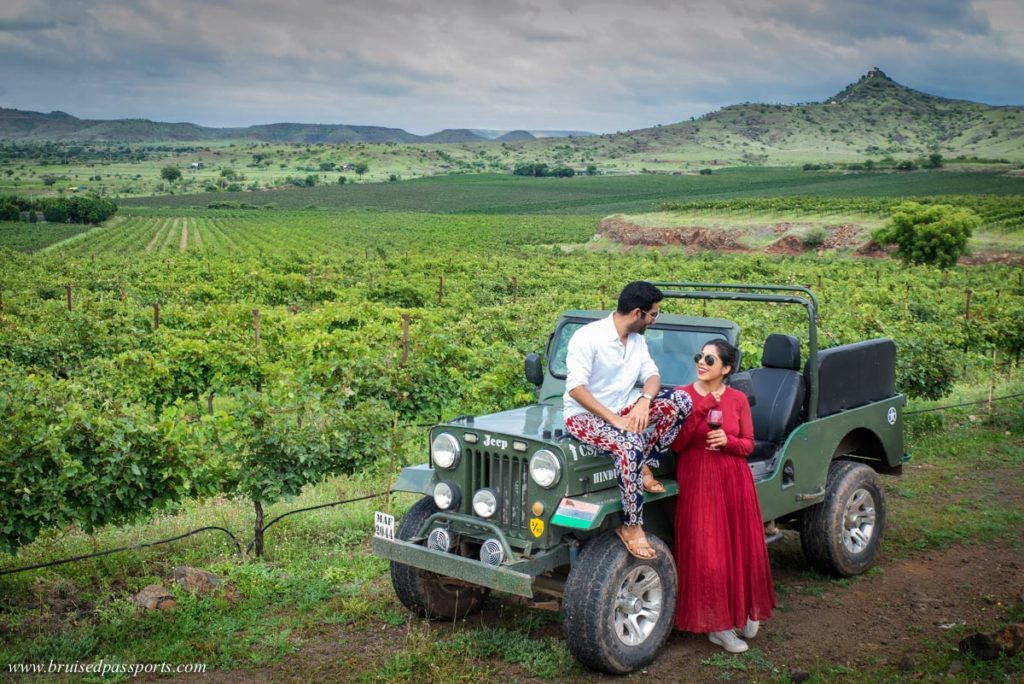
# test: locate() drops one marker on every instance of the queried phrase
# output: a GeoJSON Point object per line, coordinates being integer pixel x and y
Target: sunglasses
{"type": "Point", "coordinates": [709, 360]}
{"type": "Point", "coordinates": [654, 316]}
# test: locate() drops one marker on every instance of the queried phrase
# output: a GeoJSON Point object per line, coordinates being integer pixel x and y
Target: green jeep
{"type": "Point", "coordinates": [514, 503]}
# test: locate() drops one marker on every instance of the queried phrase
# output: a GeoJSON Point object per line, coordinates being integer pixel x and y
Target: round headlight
{"type": "Point", "coordinates": [485, 503]}
{"type": "Point", "coordinates": [447, 496]}
{"type": "Point", "coordinates": [445, 450]}
{"type": "Point", "coordinates": [545, 468]}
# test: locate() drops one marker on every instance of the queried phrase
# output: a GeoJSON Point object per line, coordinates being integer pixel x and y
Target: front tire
{"type": "Point", "coordinates": [426, 593]}
{"type": "Point", "coordinates": [841, 535]}
{"type": "Point", "coordinates": [617, 610]}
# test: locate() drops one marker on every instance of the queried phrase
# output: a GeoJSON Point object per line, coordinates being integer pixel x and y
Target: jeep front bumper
{"type": "Point", "coordinates": [500, 578]}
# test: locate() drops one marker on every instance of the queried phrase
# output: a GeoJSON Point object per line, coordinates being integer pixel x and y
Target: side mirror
{"type": "Point", "coordinates": [743, 383]}
{"type": "Point", "coordinates": [534, 369]}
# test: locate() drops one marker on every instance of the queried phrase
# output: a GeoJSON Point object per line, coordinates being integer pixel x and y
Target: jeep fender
{"type": "Point", "coordinates": [417, 479]}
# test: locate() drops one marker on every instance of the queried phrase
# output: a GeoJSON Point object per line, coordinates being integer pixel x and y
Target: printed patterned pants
{"type": "Point", "coordinates": [632, 450]}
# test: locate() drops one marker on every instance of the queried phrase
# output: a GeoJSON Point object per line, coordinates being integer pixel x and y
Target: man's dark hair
{"type": "Point", "coordinates": [638, 294]}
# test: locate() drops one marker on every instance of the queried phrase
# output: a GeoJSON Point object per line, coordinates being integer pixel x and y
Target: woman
{"type": "Point", "coordinates": [725, 581]}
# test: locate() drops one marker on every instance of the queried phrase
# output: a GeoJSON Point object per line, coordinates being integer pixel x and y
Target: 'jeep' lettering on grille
{"type": "Point", "coordinates": [496, 443]}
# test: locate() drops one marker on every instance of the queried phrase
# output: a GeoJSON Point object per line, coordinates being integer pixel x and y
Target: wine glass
{"type": "Point", "coordinates": [714, 422]}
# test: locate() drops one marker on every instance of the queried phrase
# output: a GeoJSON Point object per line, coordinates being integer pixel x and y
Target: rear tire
{"type": "Point", "coordinates": [617, 610]}
{"type": "Point", "coordinates": [841, 535]}
{"type": "Point", "coordinates": [426, 593]}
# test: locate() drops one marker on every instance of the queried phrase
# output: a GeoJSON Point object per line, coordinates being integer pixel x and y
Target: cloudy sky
{"type": "Point", "coordinates": [424, 65]}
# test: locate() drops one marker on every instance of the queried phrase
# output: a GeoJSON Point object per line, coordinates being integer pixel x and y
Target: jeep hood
{"type": "Point", "coordinates": [537, 422]}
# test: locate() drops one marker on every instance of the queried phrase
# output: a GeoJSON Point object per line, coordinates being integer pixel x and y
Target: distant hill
{"type": "Point", "coordinates": [452, 135]}
{"type": "Point", "coordinates": [517, 135]}
{"type": "Point", "coordinates": [17, 124]}
{"type": "Point", "coordinates": [874, 117]}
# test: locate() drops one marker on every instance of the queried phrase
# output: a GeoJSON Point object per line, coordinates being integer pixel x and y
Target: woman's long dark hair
{"type": "Point", "coordinates": [726, 352]}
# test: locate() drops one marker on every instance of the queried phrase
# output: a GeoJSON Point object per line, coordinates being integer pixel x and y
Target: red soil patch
{"type": "Point", "coordinates": [694, 237]}
{"type": "Point", "coordinates": [845, 235]}
{"type": "Point", "coordinates": [790, 245]}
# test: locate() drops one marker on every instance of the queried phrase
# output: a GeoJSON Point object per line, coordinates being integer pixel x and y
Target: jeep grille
{"type": "Point", "coordinates": [506, 474]}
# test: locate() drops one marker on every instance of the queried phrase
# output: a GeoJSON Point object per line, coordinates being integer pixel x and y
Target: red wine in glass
{"type": "Point", "coordinates": [714, 422]}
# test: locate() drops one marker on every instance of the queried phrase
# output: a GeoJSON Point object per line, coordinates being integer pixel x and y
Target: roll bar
{"type": "Point", "coordinates": [741, 292]}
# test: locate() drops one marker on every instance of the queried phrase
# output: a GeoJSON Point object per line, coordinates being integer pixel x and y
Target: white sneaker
{"type": "Point", "coordinates": [749, 630]}
{"type": "Point", "coordinates": [728, 640]}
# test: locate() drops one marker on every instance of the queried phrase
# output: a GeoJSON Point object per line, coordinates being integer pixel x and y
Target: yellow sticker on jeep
{"type": "Point", "coordinates": [536, 526]}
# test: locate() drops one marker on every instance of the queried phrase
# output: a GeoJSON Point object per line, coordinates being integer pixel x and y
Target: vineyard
{"type": "Point", "coordinates": [173, 355]}
{"type": "Point", "coordinates": [141, 339]}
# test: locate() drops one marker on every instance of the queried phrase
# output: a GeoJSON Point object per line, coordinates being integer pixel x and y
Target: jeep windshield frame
{"type": "Point", "coordinates": [756, 293]}
{"type": "Point", "coordinates": [676, 369]}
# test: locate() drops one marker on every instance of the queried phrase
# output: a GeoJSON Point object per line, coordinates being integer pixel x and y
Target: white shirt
{"type": "Point", "coordinates": [598, 361]}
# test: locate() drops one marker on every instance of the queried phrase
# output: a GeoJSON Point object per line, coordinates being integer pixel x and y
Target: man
{"type": "Point", "coordinates": [603, 407]}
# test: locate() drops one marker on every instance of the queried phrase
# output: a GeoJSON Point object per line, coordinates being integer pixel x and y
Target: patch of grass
{"type": "Point", "coordinates": [316, 569]}
{"type": "Point", "coordinates": [541, 657]}
{"type": "Point", "coordinates": [425, 660]}
{"type": "Point", "coordinates": [964, 483]}
{"type": "Point", "coordinates": [753, 660]}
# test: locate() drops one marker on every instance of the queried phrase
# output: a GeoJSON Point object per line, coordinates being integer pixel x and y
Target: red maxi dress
{"type": "Point", "coordinates": [721, 557]}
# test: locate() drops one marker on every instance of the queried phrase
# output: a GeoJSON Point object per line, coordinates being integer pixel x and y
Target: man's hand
{"type": "Point", "coordinates": [638, 416]}
{"type": "Point", "coordinates": [620, 422]}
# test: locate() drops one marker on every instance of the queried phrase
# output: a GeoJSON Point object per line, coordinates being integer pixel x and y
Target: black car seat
{"type": "Point", "coordinates": [778, 388]}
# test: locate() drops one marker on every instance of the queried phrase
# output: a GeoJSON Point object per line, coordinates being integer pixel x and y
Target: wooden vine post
{"type": "Point", "coordinates": [992, 381]}
{"type": "Point", "coordinates": [440, 290]}
{"type": "Point", "coordinates": [515, 292]}
{"type": "Point", "coordinates": [405, 339]}
{"type": "Point", "coordinates": [156, 315]}
{"type": "Point", "coordinates": [256, 332]}
{"type": "Point", "coordinates": [257, 505]}
{"type": "Point", "coordinates": [67, 294]}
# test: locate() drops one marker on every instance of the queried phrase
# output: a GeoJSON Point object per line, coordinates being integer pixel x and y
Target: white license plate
{"type": "Point", "coordinates": [383, 525]}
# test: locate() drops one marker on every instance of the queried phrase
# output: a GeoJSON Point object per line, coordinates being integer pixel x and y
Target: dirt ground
{"type": "Point", "coordinates": [882, 620]}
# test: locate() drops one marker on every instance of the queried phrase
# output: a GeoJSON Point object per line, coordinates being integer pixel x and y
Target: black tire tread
{"type": "Point", "coordinates": [819, 536]}
{"type": "Point", "coordinates": [413, 588]}
{"type": "Point", "coordinates": [588, 591]}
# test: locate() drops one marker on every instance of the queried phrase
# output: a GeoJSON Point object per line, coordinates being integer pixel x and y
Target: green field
{"type": "Point", "coordinates": [126, 415]}
{"type": "Point", "coordinates": [602, 195]}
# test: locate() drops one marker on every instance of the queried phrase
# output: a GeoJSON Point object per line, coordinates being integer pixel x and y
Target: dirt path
{"type": "Point", "coordinates": [183, 240]}
{"type": "Point", "coordinates": [882, 620]}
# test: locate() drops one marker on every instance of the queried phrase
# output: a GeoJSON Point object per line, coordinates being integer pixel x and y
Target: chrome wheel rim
{"type": "Point", "coordinates": [638, 605]}
{"type": "Point", "coordinates": [859, 521]}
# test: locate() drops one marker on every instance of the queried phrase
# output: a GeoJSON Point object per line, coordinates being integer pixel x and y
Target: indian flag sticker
{"type": "Point", "coordinates": [576, 514]}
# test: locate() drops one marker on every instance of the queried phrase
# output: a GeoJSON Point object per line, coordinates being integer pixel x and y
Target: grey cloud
{"type": "Point", "coordinates": [421, 65]}
{"type": "Point", "coordinates": [542, 35]}
{"type": "Point", "coordinates": [913, 20]}
{"type": "Point", "coordinates": [15, 25]}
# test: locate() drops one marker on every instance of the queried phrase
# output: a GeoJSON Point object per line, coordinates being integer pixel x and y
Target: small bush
{"type": "Point", "coordinates": [934, 234]}
{"type": "Point", "coordinates": [815, 238]}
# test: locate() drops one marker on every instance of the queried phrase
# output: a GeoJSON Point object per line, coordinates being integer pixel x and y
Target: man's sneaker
{"type": "Point", "coordinates": [728, 640]}
{"type": "Point", "coordinates": [749, 630]}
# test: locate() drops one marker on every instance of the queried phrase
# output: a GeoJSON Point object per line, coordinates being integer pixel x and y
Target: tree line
{"type": "Point", "coordinates": [76, 209]}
